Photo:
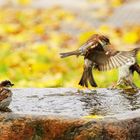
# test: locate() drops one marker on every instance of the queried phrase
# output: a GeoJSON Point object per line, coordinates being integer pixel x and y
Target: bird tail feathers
{"type": "Point", "coordinates": [63, 55]}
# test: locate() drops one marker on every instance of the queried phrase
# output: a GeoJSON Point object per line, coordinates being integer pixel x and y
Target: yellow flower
{"type": "Point", "coordinates": [130, 37]}
{"type": "Point", "coordinates": [24, 2]}
{"type": "Point", "coordinates": [84, 36]}
{"type": "Point", "coordinates": [116, 3]}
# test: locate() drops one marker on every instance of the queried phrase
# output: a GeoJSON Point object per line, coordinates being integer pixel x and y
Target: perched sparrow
{"type": "Point", "coordinates": [5, 95]}
{"type": "Point", "coordinates": [126, 75]}
{"type": "Point", "coordinates": [98, 55]}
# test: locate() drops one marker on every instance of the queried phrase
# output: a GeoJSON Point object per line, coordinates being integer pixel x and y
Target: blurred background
{"type": "Point", "coordinates": [34, 32]}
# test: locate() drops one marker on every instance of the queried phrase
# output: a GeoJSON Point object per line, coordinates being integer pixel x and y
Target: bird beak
{"type": "Point", "coordinates": [12, 85]}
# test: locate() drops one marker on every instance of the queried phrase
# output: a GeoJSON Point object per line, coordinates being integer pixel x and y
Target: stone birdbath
{"type": "Point", "coordinates": [71, 114]}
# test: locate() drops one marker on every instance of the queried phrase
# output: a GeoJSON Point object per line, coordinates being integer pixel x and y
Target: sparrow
{"type": "Point", "coordinates": [5, 95]}
{"type": "Point", "coordinates": [98, 55]}
{"type": "Point", "coordinates": [126, 75]}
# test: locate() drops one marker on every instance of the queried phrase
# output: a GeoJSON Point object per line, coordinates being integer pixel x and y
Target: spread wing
{"type": "Point", "coordinates": [119, 58]}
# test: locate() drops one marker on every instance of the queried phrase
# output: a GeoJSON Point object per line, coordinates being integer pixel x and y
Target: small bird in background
{"type": "Point", "coordinates": [126, 75]}
{"type": "Point", "coordinates": [5, 95]}
{"type": "Point", "coordinates": [98, 55]}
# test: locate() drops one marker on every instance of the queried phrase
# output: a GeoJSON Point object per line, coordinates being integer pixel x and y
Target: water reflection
{"type": "Point", "coordinates": [133, 99]}
{"type": "Point", "coordinates": [67, 102]}
{"type": "Point", "coordinates": [106, 102]}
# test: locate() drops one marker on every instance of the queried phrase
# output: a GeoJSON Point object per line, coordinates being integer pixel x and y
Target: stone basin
{"type": "Point", "coordinates": [71, 114]}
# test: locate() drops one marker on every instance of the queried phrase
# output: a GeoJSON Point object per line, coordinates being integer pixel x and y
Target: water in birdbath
{"type": "Point", "coordinates": [73, 103]}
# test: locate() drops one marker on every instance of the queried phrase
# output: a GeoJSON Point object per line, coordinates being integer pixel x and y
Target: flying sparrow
{"type": "Point", "coordinates": [98, 55]}
{"type": "Point", "coordinates": [5, 95]}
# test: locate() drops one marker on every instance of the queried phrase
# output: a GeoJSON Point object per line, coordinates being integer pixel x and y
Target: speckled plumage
{"type": "Point", "coordinates": [126, 75]}
{"type": "Point", "coordinates": [5, 98]}
{"type": "Point", "coordinates": [5, 95]}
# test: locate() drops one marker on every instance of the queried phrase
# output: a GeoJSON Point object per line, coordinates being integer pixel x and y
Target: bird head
{"type": "Point", "coordinates": [103, 40]}
{"type": "Point", "coordinates": [96, 40]}
{"type": "Point", "coordinates": [6, 83]}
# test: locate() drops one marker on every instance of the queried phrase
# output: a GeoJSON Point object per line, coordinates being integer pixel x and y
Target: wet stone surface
{"type": "Point", "coordinates": [73, 103]}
